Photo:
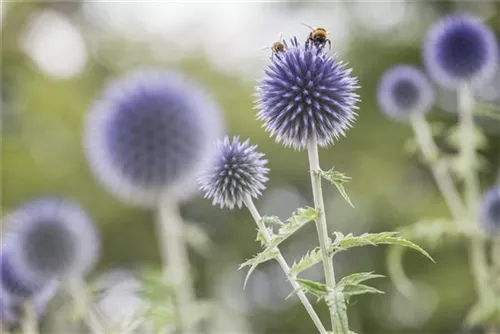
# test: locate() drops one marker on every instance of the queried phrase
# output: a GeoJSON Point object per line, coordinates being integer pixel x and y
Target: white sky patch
{"type": "Point", "coordinates": [231, 34]}
{"type": "Point", "coordinates": [380, 16]}
{"type": "Point", "coordinates": [55, 45]}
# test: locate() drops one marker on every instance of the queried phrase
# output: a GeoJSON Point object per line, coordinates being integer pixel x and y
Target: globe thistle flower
{"type": "Point", "coordinates": [150, 134]}
{"type": "Point", "coordinates": [50, 238]}
{"type": "Point", "coordinates": [404, 91]}
{"type": "Point", "coordinates": [490, 211]}
{"type": "Point", "coordinates": [460, 48]}
{"type": "Point", "coordinates": [238, 170]}
{"type": "Point", "coordinates": [306, 95]}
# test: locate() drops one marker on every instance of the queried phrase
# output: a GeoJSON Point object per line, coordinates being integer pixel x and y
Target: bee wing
{"type": "Point", "coordinates": [266, 48]}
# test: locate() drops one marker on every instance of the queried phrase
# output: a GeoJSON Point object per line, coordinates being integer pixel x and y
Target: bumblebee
{"type": "Point", "coordinates": [277, 47]}
{"type": "Point", "coordinates": [317, 37]}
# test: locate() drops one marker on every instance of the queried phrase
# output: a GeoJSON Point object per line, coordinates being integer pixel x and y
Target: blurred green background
{"type": "Point", "coordinates": [57, 56]}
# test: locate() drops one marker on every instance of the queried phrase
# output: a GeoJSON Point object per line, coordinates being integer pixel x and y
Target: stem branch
{"type": "Point", "coordinates": [282, 262]}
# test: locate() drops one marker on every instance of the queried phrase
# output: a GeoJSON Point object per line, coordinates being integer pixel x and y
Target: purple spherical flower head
{"type": "Point", "coordinates": [238, 170]}
{"type": "Point", "coordinates": [306, 95]}
{"type": "Point", "coordinates": [50, 238]}
{"type": "Point", "coordinates": [458, 49]}
{"type": "Point", "coordinates": [403, 91]}
{"type": "Point", "coordinates": [150, 134]}
{"type": "Point", "coordinates": [490, 211]}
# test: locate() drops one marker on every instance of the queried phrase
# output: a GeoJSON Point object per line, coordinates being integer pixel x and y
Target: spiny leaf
{"type": "Point", "coordinates": [264, 256]}
{"type": "Point", "coordinates": [269, 220]}
{"type": "Point", "coordinates": [359, 289]}
{"type": "Point", "coordinates": [337, 179]}
{"type": "Point", "coordinates": [301, 217]}
{"type": "Point", "coordinates": [319, 290]}
{"type": "Point", "coordinates": [389, 238]}
{"type": "Point", "coordinates": [350, 285]}
{"type": "Point", "coordinates": [357, 278]}
{"type": "Point", "coordinates": [307, 261]}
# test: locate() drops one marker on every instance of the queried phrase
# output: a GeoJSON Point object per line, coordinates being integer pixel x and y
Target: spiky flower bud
{"type": "Point", "coordinates": [149, 134]}
{"type": "Point", "coordinates": [50, 238]}
{"type": "Point", "coordinates": [490, 211]}
{"type": "Point", "coordinates": [306, 95]}
{"type": "Point", "coordinates": [403, 91]}
{"type": "Point", "coordinates": [460, 48]}
{"type": "Point", "coordinates": [238, 170]}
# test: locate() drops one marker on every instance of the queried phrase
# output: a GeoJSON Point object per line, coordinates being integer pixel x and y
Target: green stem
{"type": "Point", "coordinates": [438, 168]}
{"type": "Point", "coordinates": [337, 314]}
{"type": "Point", "coordinates": [477, 247]}
{"type": "Point", "coordinates": [30, 321]}
{"type": "Point", "coordinates": [84, 308]}
{"type": "Point", "coordinates": [282, 262]}
{"type": "Point", "coordinates": [170, 229]}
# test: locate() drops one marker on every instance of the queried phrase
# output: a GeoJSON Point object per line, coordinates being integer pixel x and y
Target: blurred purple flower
{"type": "Point", "coordinates": [490, 211]}
{"type": "Point", "coordinates": [11, 282]}
{"type": "Point", "coordinates": [460, 48]}
{"type": "Point", "coordinates": [12, 306]}
{"type": "Point", "coordinates": [403, 91]}
{"type": "Point", "coordinates": [151, 132]}
{"type": "Point", "coordinates": [50, 238]}
{"type": "Point", "coordinates": [238, 170]}
{"type": "Point", "coordinates": [306, 95]}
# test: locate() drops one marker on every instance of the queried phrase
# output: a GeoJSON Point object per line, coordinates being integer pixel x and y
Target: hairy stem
{"type": "Point", "coordinates": [477, 247]}
{"type": "Point", "coordinates": [439, 169]}
{"type": "Point", "coordinates": [174, 254]}
{"type": "Point", "coordinates": [282, 262]}
{"type": "Point", "coordinates": [338, 315]}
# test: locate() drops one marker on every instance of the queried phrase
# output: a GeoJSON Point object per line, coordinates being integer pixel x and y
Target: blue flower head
{"type": "Point", "coordinates": [150, 134]}
{"type": "Point", "coordinates": [403, 91]}
{"type": "Point", "coordinates": [460, 48]}
{"type": "Point", "coordinates": [238, 170]}
{"type": "Point", "coordinates": [490, 211]}
{"type": "Point", "coordinates": [48, 239]}
{"type": "Point", "coordinates": [306, 95]}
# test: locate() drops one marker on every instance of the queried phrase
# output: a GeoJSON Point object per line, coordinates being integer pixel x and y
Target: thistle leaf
{"type": "Point", "coordinates": [319, 290]}
{"type": "Point", "coordinates": [301, 217]}
{"type": "Point", "coordinates": [357, 278]}
{"type": "Point", "coordinates": [264, 256]}
{"type": "Point", "coordinates": [269, 220]}
{"type": "Point", "coordinates": [337, 179]}
{"type": "Point", "coordinates": [350, 285]}
{"type": "Point", "coordinates": [389, 238]}
{"type": "Point", "coordinates": [307, 261]}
